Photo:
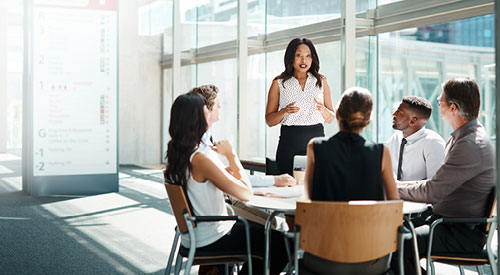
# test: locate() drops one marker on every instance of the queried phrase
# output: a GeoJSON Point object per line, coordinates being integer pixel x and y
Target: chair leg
{"type": "Point", "coordinates": [289, 265]}
{"type": "Point", "coordinates": [296, 254]}
{"type": "Point", "coordinates": [178, 264]}
{"type": "Point", "coordinates": [430, 264]}
{"type": "Point", "coordinates": [189, 264]}
{"type": "Point", "coordinates": [172, 252]}
{"type": "Point", "coordinates": [192, 244]}
{"type": "Point", "coordinates": [493, 264]}
{"type": "Point", "coordinates": [226, 269]}
{"type": "Point", "coordinates": [480, 269]}
{"type": "Point", "coordinates": [491, 258]}
{"type": "Point", "coordinates": [462, 271]}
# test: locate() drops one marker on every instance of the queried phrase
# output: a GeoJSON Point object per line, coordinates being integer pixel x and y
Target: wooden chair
{"type": "Point", "coordinates": [486, 256]}
{"type": "Point", "coordinates": [350, 232]}
{"type": "Point", "coordinates": [186, 224]}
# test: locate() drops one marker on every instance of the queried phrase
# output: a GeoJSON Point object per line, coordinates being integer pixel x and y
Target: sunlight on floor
{"type": "Point", "coordinates": [125, 227]}
{"type": "Point", "coordinates": [12, 183]}
{"type": "Point", "coordinates": [5, 170]}
{"type": "Point", "coordinates": [8, 157]}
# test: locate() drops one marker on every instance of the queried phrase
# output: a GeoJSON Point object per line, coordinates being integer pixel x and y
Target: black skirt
{"type": "Point", "coordinates": [293, 141]}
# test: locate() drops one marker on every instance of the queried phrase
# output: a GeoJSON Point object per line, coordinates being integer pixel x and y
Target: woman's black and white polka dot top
{"type": "Point", "coordinates": [291, 91]}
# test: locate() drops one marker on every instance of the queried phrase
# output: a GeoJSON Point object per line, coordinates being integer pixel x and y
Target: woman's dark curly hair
{"type": "Point", "coordinates": [290, 57]}
{"type": "Point", "coordinates": [187, 126]}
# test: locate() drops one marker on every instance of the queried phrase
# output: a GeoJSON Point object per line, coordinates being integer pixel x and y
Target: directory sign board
{"type": "Point", "coordinates": [73, 94]}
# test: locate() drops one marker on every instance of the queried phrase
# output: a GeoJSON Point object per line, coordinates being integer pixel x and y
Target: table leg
{"type": "Point", "coordinates": [267, 230]}
{"type": "Point", "coordinates": [415, 245]}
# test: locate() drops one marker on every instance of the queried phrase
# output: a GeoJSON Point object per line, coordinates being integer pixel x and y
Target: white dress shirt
{"type": "Point", "coordinates": [423, 154]}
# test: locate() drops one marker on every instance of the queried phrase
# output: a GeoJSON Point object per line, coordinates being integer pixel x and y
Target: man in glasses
{"type": "Point", "coordinates": [416, 152]}
{"type": "Point", "coordinates": [461, 186]}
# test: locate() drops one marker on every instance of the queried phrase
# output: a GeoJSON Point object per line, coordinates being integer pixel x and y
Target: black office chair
{"type": "Point", "coordinates": [486, 256]}
{"type": "Point", "coordinates": [186, 224]}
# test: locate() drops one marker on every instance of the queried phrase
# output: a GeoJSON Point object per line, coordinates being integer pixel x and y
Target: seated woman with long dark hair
{"type": "Point", "coordinates": [346, 167]}
{"type": "Point", "coordinates": [197, 167]}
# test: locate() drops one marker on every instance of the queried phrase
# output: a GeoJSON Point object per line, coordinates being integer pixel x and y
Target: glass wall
{"type": "Point", "coordinates": [329, 58]}
{"type": "Point", "coordinates": [410, 57]}
{"type": "Point", "coordinates": [155, 18]}
{"type": "Point", "coordinates": [275, 65]}
{"type": "Point", "coordinates": [223, 74]}
{"type": "Point", "coordinates": [188, 17]}
{"type": "Point", "coordinates": [417, 61]}
{"type": "Point", "coordinates": [282, 15]}
{"type": "Point", "coordinates": [252, 113]}
{"type": "Point", "coordinates": [366, 77]}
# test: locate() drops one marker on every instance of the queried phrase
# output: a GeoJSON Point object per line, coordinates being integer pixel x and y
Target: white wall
{"type": "Point", "coordinates": [3, 78]}
{"type": "Point", "coordinates": [139, 90]}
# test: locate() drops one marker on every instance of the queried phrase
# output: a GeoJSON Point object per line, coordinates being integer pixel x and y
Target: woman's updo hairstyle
{"type": "Point", "coordinates": [355, 109]}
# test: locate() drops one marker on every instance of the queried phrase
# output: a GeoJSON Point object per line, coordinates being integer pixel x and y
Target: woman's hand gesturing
{"type": "Point", "coordinates": [327, 114]}
{"type": "Point", "coordinates": [290, 108]}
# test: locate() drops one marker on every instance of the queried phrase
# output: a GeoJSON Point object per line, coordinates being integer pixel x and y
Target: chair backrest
{"type": "Point", "coordinates": [491, 207]}
{"type": "Point", "coordinates": [349, 232]}
{"type": "Point", "coordinates": [179, 204]}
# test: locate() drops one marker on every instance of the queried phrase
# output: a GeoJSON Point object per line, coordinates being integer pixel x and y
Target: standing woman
{"type": "Point", "coordinates": [299, 99]}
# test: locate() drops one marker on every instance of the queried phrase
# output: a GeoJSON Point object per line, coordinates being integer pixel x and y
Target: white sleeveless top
{"type": "Point", "coordinates": [207, 200]}
{"type": "Point", "coordinates": [291, 91]}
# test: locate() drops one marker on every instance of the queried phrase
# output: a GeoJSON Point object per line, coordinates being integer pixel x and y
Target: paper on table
{"type": "Point", "coordinates": [280, 192]}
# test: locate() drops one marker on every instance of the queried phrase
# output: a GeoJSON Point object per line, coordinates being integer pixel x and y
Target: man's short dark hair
{"type": "Point", "coordinates": [419, 105]}
{"type": "Point", "coordinates": [464, 93]}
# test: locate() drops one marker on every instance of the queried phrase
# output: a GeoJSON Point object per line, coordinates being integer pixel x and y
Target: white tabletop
{"type": "Point", "coordinates": [269, 202]}
{"type": "Point", "coordinates": [273, 203]}
{"type": "Point", "coordinates": [280, 203]}
{"type": "Point", "coordinates": [414, 207]}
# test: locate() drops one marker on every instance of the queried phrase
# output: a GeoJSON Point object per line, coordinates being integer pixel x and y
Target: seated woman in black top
{"type": "Point", "coordinates": [345, 167]}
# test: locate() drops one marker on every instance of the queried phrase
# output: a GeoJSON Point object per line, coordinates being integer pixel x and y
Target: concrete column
{"type": "Point", "coordinates": [176, 49]}
{"type": "Point", "coordinates": [140, 90]}
{"type": "Point", "coordinates": [242, 71]}
{"type": "Point", "coordinates": [3, 77]}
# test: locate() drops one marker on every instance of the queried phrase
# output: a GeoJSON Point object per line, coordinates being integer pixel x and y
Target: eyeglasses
{"type": "Point", "coordinates": [439, 100]}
